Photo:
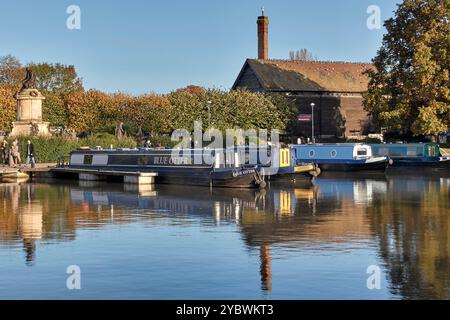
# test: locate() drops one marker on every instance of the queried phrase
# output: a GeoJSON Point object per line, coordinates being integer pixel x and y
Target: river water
{"type": "Point", "coordinates": [340, 238]}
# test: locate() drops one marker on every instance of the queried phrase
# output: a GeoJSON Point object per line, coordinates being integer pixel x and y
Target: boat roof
{"type": "Point", "coordinates": [331, 145]}
{"type": "Point", "coordinates": [418, 144]}
{"type": "Point", "coordinates": [143, 150]}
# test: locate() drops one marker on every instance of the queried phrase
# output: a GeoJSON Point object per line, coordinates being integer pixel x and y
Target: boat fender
{"type": "Point", "coordinates": [259, 181]}
{"type": "Point", "coordinates": [391, 162]}
{"type": "Point", "coordinates": [262, 184]}
{"type": "Point", "coordinates": [316, 172]}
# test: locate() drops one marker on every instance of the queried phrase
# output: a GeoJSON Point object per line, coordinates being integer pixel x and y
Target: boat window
{"type": "Point", "coordinates": [333, 153]}
{"type": "Point", "coordinates": [414, 151]}
{"type": "Point", "coordinates": [88, 159]}
{"type": "Point", "coordinates": [311, 153]}
{"type": "Point", "coordinates": [362, 152]}
{"type": "Point", "coordinates": [122, 160]}
{"type": "Point", "coordinates": [431, 151]}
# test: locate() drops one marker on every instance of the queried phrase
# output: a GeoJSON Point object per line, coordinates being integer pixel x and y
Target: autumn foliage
{"type": "Point", "coordinates": [7, 106]}
{"type": "Point", "coordinates": [69, 105]}
{"type": "Point", "coordinates": [96, 111]}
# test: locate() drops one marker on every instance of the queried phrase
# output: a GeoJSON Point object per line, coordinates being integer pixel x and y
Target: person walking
{"type": "Point", "coordinates": [30, 154]}
{"type": "Point", "coordinates": [5, 155]}
{"type": "Point", "coordinates": [15, 153]}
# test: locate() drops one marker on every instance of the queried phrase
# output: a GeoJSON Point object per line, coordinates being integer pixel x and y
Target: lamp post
{"type": "Point", "coordinates": [313, 140]}
{"type": "Point", "coordinates": [209, 112]}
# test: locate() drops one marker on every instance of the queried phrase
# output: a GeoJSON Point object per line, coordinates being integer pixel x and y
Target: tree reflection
{"type": "Point", "coordinates": [411, 224]}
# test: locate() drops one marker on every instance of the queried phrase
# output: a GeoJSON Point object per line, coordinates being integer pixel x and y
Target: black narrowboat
{"type": "Point", "coordinates": [201, 167]}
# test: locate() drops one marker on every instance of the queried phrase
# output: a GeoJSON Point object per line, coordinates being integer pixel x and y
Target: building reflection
{"type": "Point", "coordinates": [413, 240]}
{"type": "Point", "coordinates": [265, 267]}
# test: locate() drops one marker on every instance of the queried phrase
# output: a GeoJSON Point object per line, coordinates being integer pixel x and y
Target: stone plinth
{"type": "Point", "coordinates": [28, 128]}
{"type": "Point", "coordinates": [29, 114]}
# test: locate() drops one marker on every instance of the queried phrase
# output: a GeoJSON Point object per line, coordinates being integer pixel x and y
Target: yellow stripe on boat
{"type": "Point", "coordinates": [304, 168]}
{"type": "Point", "coordinates": [285, 157]}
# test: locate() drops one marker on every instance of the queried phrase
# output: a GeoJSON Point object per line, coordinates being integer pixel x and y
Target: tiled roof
{"type": "Point", "coordinates": [311, 75]}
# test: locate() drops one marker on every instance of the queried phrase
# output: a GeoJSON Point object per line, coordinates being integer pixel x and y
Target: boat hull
{"type": "Point", "coordinates": [374, 164]}
{"type": "Point", "coordinates": [231, 178]}
{"type": "Point", "coordinates": [420, 162]}
{"type": "Point", "coordinates": [303, 172]}
{"type": "Point", "coordinates": [420, 168]}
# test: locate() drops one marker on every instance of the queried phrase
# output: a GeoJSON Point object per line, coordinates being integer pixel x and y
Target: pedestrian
{"type": "Point", "coordinates": [15, 153]}
{"type": "Point", "coordinates": [147, 144]}
{"type": "Point", "coordinates": [5, 155]}
{"type": "Point", "coordinates": [30, 154]}
{"type": "Point", "coordinates": [10, 157]}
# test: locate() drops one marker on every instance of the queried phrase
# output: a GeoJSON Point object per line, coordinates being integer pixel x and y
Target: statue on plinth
{"type": "Point", "coordinates": [29, 80]}
{"type": "Point", "coordinates": [29, 110]}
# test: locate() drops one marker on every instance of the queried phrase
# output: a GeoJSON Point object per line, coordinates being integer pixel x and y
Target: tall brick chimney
{"type": "Point", "coordinates": [263, 37]}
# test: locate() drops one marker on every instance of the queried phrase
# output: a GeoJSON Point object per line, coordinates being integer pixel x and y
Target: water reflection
{"type": "Point", "coordinates": [405, 221]}
{"type": "Point", "coordinates": [412, 226]}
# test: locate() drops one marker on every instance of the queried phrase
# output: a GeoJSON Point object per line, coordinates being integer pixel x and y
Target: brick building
{"type": "Point", "coordinates": [334, 87]}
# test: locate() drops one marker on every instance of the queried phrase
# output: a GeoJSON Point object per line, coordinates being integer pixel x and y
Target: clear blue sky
{"type": "Point", "coordinates": [138, 46]}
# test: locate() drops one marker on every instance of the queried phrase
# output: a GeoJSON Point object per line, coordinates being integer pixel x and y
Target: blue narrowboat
{"type": "Point", "coordinates": [217, 168]}
{"type": "Point", "coordinates": [413, 154]}
{"type": "Point", "coordinates": [341, 157]}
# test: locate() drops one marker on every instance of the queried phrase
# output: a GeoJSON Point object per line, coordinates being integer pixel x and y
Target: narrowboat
{"type": "Point", "coordinates": [413, 155]}
{"type": "Point", "coordinates": [278, 164]}
{"type": "Point", "coordinates": [217, 168]}
{"type": "Point", "coordinates": [341, 157]}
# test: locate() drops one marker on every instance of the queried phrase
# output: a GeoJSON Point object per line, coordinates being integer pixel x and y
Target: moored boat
{"type": "Point", "coordinates": [414, 155]}
{"type": "Point", "coordinates": [341, 157]}
{"type": "Point", "coordinates": [279, 164]}
{"type": "Point", "coordinates": [173, 166]}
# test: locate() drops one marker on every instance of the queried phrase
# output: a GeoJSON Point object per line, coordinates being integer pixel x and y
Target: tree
{"type": "Point", "coordinates": [301, 55]}
{"type": "Point", "coordinates": [193, 89]}
{"type": "Point", "coordinates": [150, 112]}
{"type": "Point", "coordinates": [56, 82]}
{"type": "Point", "coordinates": [56, 78]}
{"type": "Point", "coordinates": [11, 71]}
{"type": "Point", "coordinates": [7, 106]}
{"type": "Point", "coordinates": [409, 88]}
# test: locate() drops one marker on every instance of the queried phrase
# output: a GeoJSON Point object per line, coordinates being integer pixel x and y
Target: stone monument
{"type": "Point", "coordinates": [29, 110]}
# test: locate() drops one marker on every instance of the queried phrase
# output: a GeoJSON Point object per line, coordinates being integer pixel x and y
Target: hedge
{"type": "Point", "coordinates": [48, 150]}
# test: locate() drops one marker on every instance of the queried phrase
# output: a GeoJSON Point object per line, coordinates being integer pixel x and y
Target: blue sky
{"type": "Point", "coordinates": [138, 46]}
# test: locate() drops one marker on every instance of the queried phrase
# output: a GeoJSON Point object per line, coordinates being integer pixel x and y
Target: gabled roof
{"type": "Point", "coordinates": [287, 75]}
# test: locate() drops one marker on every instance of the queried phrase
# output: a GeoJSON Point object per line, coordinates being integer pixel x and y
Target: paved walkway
{"type": "Point", "coordinates": [25, 168]}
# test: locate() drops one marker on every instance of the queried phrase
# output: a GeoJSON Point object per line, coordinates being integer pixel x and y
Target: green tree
{"type": "Point", "coordinates": [409, 88]}
{"type": "Point", "coordinates": [56, 81]}
{"type": "Point", "coordinates": [11, 71]}
{"type": "Point", "coordinates": [56, 78]}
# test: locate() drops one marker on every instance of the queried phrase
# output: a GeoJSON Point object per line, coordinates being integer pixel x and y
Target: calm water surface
{"type": "Point", "coordinates": [288, 242]}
